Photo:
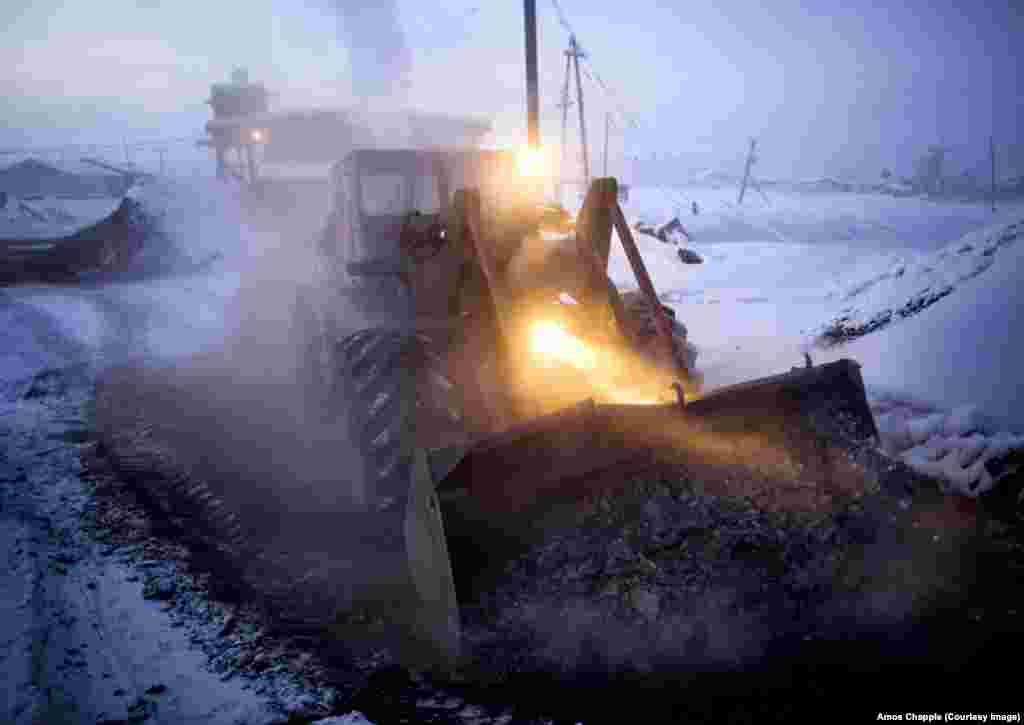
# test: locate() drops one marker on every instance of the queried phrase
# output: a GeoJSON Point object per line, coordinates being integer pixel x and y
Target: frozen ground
{"type": "Point", "coordinates": [778, 215]}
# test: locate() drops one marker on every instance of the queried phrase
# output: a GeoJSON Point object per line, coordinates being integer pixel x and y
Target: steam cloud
{"type": "Point", "coordinates": [380, 59]}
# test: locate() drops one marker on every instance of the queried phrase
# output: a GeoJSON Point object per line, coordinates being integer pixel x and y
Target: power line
{"type": "Point", "coordinates": [562, 19]}
{"type": "Point", "coordinates": [590, 71]}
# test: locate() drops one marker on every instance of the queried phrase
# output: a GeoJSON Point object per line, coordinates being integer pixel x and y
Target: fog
{"type": "Point", "coordinates": [833, 88]}
{"type": "Point", "coordinates": [379, 58]}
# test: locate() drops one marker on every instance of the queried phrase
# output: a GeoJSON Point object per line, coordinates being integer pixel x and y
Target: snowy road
{"type": "Point", "coordinates": [80, 644]}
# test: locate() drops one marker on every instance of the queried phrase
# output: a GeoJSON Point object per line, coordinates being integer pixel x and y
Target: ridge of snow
{"type": "Point", "coordinates": [907, 285]}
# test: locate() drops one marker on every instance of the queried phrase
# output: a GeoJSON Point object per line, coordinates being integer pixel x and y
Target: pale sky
{"type": "Point", "coordinates": [831, 86]}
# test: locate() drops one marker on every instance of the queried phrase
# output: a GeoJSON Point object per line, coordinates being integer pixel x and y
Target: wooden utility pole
{"type": "Point", "coordinates": [746, 170]}
{"type": "Point", "coordinates": [992, 158]}
{"type": "Point", "coordinates": [607, 124]}
{"type": "Point", "coordinates": [565, 119]}
{"type": "Point", "coordinates": [575, 54]}
{"type": "Point", "coordinates": [532, 96]}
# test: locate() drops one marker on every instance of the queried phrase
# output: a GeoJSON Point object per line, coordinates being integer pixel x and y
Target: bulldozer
{"type": "Point", "coordinates": [500, 377]}
{"type": "Point", "coordinates": [478, 381]}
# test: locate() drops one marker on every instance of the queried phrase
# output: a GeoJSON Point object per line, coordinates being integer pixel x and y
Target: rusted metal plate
{"type": "Point", "coordinates": [782, 424]}
{"type": "Point", "coordinates": [830, 396]}
{"type": "Point", "coordinates": [554, 456]}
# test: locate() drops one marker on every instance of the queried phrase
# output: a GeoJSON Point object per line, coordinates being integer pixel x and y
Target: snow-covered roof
{"type": "Point", "coordinates": [32, 177]}
{"type": "Point", "coordinates": [75, 167]}
{"type": "Point", "coordinates": [51, 218]}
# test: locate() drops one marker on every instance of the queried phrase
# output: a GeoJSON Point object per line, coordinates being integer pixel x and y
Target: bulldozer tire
{"type": "Point", "coordinates": [412, 579]}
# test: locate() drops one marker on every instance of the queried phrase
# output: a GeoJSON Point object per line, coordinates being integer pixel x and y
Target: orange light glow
{"type": "Point", "coordinates": [550, 340]}
{"type": "Point", "coordinates": [613, 375]}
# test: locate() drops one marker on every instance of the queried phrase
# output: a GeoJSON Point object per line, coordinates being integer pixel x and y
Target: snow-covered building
{"type": "Point", "coordinates": [32, 178]}
{"type": "Point", "coordinates": [305, 142]}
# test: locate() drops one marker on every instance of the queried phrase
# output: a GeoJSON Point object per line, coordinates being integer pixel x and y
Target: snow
{"type": "Point", "coordinates": [945, 279]}
{"type": "Point", "coordinates": [73, 167]}
{"type": "Point", "coordinates": [962, 350]}
{"type": "Point", "coordinates": [52, 217]}
{"type": "Point", "coordinates": [78, 318]}
{"type": "Point", "coordinates": [353, 718]}
{"type": "Point", "coordinates": [781, 215]}
{"type": "Point", "coordinates": [79, 643]}
{"type": "Point", "coordinates": [904, 282]}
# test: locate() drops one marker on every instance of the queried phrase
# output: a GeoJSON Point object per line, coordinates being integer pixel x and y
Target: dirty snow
{"type": "Point", "coordinates": [79, 643]}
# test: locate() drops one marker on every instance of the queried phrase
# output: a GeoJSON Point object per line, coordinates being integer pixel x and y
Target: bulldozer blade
{"type": "Point", "coordinates": [508, 490]}
{"type": "Point", "coordinates": [831, 399]}
{"type": "Point", "coordinates": [435, 621]}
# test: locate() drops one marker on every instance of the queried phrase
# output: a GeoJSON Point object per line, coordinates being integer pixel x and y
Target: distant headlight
{"type": "Point", "coordinates": [257, 135]}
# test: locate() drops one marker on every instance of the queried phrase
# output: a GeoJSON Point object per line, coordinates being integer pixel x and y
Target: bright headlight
{"type": "Point", "coordinates": [550, 340]}
{"type": "Point", "coordinates": [531, 161]}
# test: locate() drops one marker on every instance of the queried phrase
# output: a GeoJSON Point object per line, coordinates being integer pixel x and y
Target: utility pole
{"type": "Point", "coordinates": [607, 123]}
{"type": "Point", "coordinates": [746, 170]}
{"type": "Point", "coordinates": [992, 158]}
{"type": "Point", "coordinates": [532, 98]}
{"type": "Point", "coordinates": [575, 54]}
{"type": "Point", "coordinates": [564, 105]}
{"type": "Point", "coordinates": [250, 161]}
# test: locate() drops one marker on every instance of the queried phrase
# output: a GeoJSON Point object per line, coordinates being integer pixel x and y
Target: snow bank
{"type": "Point", "coordinates": [894, 287]}
{"type": "Point", "coordinates": [965, 349]}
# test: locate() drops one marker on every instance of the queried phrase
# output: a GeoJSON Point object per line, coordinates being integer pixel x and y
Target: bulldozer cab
{"type": "Point", "coordinates": [375, 190]}
{"type": "Point", "coordinates": [399, 215]}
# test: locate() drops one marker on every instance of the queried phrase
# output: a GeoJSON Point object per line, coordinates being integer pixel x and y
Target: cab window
{"type": "Point", "coordinates": [384, 194]}
{"type": "Point", "coordinates": [393, 194]}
